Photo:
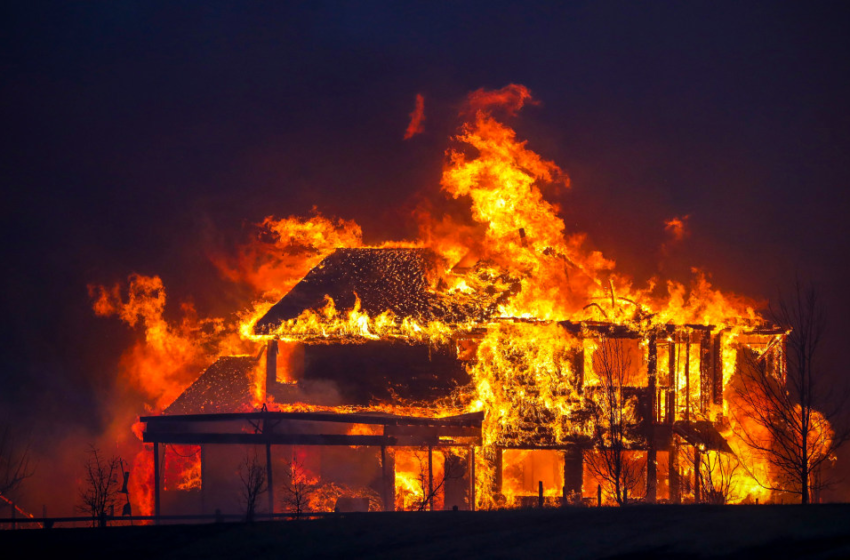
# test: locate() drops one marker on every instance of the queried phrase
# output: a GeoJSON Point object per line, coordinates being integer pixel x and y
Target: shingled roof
{"type": "Point", "coordinates": [225, 386]}
{"type": "Point", "coordinates": [384, 279]}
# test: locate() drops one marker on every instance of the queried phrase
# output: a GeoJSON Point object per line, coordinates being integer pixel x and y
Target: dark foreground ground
{"type": "Point", "coordinates": [750, 532]}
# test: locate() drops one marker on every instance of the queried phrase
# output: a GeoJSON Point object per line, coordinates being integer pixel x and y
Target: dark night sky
{"type": "Point", "coordinates": [137, 134]}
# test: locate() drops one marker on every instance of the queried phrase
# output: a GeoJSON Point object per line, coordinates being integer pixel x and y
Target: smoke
{"type": "Point", "coordinates": [281, 251]}
{"type": "Point", "coordinates": [510, 98]}
{"type": "Point", "coordinates": [677, 228]}
{"type": "Point", "coordinates": [416, 118]}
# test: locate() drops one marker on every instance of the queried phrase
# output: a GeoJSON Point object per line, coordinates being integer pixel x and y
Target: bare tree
{"type": "Point", "coordinates": [717, 474]}
{"type": "Point", "coordinates": [252, 475]}
{"type": "Point", "coordinates": [15, 461]}
{"type": "Point", "coordinates": [452, 470]}
{"type": "Point", "coordinates": [101, 485]}
{"type": "Point", "coordinates": [613, 422]}
{"type": "Point", "coordinates": [297, 487]}
{"type": "Point", "coordinates": [788, 415]}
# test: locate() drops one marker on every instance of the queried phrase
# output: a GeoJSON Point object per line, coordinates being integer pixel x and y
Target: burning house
{"type": "Point", "coordinates": [331, 381]}
{"type": "Point", "coordinates": [494, 362]}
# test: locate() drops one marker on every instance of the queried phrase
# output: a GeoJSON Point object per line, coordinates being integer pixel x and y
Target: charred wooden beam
{"type": "Point", "coordinates": [717, 358]}
{"type": "Point", "coordinates": [156, 481]}
{"type": "Point", "coordinates": [428, 433]}
{"type": "Point", "coordinates": [471, 478]}
{"type": "Point", "coordinates": [431, 478]}
{"type": "Point", "coordinates": [651, 371]}
{"type": "Point", "coordinates": [472, 420]}
{"type": "Point", "coordinates": [697, 481]}
{"type": "Point", "coordinates": [269, 477]}
{"type": "Point", "coordinates": [673, 465]}
{"type": "Point", "coordinates": [271, 365]}
{"type": "Point", "coordinates": [579, 369]}
{"type": "Point", "coordinates": [651, 476]}
{"type": "Point", "coordinates": [606, 328]}
{"type": "Point", "coordinates": [204, 478]}
{"type": "Point", "coordinates": [674, 382]}
{"type": "Point", "coordinates": [198, 438]}
{"type": "Point", "coordinates": [688, 378]}
{"type": "Point", "coordinates": [416, 441]}
{"type": "Point", "coordinates": [704, 372]}
{"type": "Point", "coordinates": [387, 479]}
{"type": "Point", "coordinates": [499, 463]}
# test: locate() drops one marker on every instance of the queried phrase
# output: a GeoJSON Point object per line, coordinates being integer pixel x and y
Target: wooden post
{"type": "Point", "coordinates": [688, 378]}
{"type": "Point", "coordinates": [705, 381]}
{"type": "Point", "coordinates": [674, 381]}
{"type": "Point", "coordinates": [384, 482]}
{"type": "Point", "coordinates": [598, 495]}
{"type": "Point", "coordinates": [540, 493]}
{"type": "Point", "coordinates": [499, 476]}
{"type": "Point", "coordinates": [271, 366]}
{"type": "Point", "coordinates": [203, 480]}
{"type": "Point", "coordinates": [651, 475]}
{"type": "Point", "coordinates": [717, 362]}
{"type": "Point", "coordinates": [389, 480]}
{"type": "Point", "coordinates": [430, 478]}
{"type": "Point", "coordinates": [697, 497]}
{"type": "Point", "coordinates": [672, 463]}
{"type": "Point", "coordinates": [269, 477]}
{"type": "Point", "coordinates": [651, 370]}
{"type": "Point", "coordinates": [580, 369]}
{"type": "Point", "coordinates": [472, 479]}
{"type": "Point", "coordinates": [156, 481]}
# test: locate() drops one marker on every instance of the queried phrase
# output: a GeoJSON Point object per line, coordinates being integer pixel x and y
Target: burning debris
{"type": "Point", "coordinates": [491, 363]}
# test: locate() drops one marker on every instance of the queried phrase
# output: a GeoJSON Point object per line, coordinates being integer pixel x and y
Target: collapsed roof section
{"type": "Point", "coordinates": [405, 282]}
{"type": "Point", "coordinates": [226, 386]}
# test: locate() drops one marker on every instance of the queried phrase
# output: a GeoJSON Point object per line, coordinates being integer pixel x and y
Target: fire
{"type": "Point", "coordinates": [536, 359]}
{"type": "Point", "coordinates": [677, 227]}
{"type": "Point", "coordinates": [547, 306]}
{"type": "Point", "coordinates": [329, 324]}
{"type": "Point", "coordinates": [417, 489]}
{"type": "Point", "coordinates": [284, 250]}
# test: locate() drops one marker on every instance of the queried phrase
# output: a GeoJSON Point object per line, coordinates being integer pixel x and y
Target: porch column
{"type": "Point", "coordinates": [651, 475]}
{"type": "Point", "coordinates": [472, 478]}
{"type": "Point", "coordinates": [387, 480]}
{"type": "Point", "coordinates": [156, 481]}
{"type": "Point", "coordinates": [430, 478]}
{"type": "Point", "coordinates": [573, 471]}
{"type": "Point", "coordinates": [269, 478]}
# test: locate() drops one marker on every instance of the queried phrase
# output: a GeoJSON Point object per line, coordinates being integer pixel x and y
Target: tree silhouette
{"type": "Point", "coordinates": [101, 485]}
{"type": "Point", "coordinates": [788, 413]}
{"type": "Point", "coordinates": [252, 475]}
{"type": "Point", "coordinates": [297, 487]}
{"type": "Point", "coordinates": [613, 422]}
{"type": "Point", "coordinates": [15, 461]}
{"type": "Point", "coordinates": [718, 472]}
